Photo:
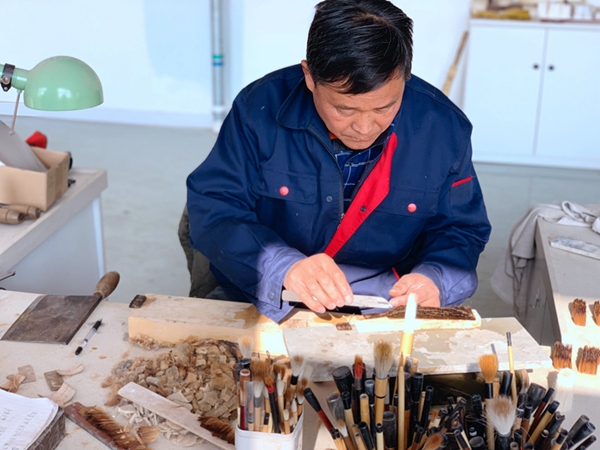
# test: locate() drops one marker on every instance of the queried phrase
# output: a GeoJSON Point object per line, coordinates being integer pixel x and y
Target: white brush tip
{"type": "Point", "coordinates": [565, 381]}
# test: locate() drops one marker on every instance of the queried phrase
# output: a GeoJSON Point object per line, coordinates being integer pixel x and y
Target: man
{"type": "Point", "coordinates": [342, 175]}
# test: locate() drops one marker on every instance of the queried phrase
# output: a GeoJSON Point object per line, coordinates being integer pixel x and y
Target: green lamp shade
{"type": "Point", "coordinates": [62, 83]}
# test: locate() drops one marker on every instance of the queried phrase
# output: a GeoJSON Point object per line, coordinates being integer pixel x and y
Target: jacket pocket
{"type": "Point", "coordinates": [287, 186]}
{"type": "Point", "coordinates": [410, 202]}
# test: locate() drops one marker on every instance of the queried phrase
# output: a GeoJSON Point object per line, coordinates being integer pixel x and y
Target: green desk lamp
{"type": "Point", "coordinates": [60, 83]}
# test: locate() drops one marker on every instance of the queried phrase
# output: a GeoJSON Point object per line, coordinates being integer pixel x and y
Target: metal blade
{"type": "Point", "coordinates": [52, 319]}
{"type": "Point", "coordinates": [360, 301]}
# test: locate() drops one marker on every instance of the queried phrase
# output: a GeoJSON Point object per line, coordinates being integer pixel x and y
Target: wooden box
{"type": "Point", "coordinates": [39, 189]}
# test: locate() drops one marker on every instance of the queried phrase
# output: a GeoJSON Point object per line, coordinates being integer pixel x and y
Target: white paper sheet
{"type": "Point", "coordinates": [15, 152]}
{"type": "Point", "coordinates": [23, 419]}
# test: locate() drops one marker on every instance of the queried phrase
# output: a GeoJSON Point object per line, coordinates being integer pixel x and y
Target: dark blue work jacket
{"type": "Point", "coordinates": [271, 193]}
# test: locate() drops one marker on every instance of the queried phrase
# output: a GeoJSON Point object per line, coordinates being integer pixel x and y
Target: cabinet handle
{"type": "Point", "coordinates": [550, 67]}
{"type": "Point", "coordinates": [536, 66]}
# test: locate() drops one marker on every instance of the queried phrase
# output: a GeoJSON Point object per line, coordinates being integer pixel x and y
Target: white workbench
{"type": "Point", "coordinates": [110, 346]}
{"type": "Point", "coordinates": [62, 252]}
{"type": "Point", "coordinates": [566, 276]}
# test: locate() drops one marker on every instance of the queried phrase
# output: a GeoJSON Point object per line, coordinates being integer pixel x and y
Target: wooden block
{"type": "Point", "coordinates": [171, 411]}
{"type": "Point", "coordinates": [172, 320]}
{"type": "Point", "coordinates": [28, 373]}
{"type": "Point", "coordinates": [54, 380]}
{"type": "Point", "coordinates": [439, 351]}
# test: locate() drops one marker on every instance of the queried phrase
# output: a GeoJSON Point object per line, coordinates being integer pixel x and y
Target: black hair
{"type": "Point", "coordinates": [359, 44]}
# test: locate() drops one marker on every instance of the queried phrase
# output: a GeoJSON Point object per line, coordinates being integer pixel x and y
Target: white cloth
{"type": "Point", "coordinates": [511, 277]}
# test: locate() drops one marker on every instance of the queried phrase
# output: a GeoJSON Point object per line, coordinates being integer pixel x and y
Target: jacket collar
{"type": "Point", "coordinates": [298, 111]}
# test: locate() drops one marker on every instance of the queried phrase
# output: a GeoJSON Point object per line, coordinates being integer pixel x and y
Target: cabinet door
{"type": "Point", "coordinates": [569, 127]}
{"type": "Point", "coordinates": [502, 89]}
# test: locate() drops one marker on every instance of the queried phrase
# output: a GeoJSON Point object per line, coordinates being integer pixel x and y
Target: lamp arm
{"type": "Point", "coordinates": [18, 80]}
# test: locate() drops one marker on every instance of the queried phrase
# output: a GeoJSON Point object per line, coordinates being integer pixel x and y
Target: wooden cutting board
{"type": "Point", "coordinates": [171, 320]}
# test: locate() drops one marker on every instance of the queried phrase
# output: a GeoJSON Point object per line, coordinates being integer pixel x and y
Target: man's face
{"type": "Point", "coordinates": [357, 120]}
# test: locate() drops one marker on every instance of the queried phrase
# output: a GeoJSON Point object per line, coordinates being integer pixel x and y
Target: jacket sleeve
{"type": "Point", "coordinates": [223, 225]}
{"type": "Point", "coordinates": [448, 249]}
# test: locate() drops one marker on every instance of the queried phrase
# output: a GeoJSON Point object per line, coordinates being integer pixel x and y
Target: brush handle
{"type": "Point", "coordinates": [426, 407]}
{"type": "Point", "coordinates": [379, 437]}
{"type": "Point", "coordinates": [365, 416]}
{"type": "Point", "coordinates": [389, 429]}
{"type": "Point", "coordinates": [401, 380]}
{"type": "Point", "coordinates": [380, 391]}
{"type": "Point", "coordinates": [489, 431]}
{"type": "Point", "coordinates": [312, 401]}
{"type": "Point", "coordinates": [274, 414]}
{"type": "Point", "coordinates": [365, 432]}
{"type": "Point", "coordinates": [343, 378]}
{"type": "Point", "coordinates": [502, 442]}
{"type": "Point", "coordinates": [507, 378]}
{"type": "Point", "coordinates": [543, 422]}
{"type": "Point", "coordinates": [541, 409]}
{"type": "Point", "coordinates": [360, 443]}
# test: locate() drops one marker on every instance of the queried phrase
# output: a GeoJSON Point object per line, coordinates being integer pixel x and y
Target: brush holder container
{"type": "Point", "coordinates": [256, 440]}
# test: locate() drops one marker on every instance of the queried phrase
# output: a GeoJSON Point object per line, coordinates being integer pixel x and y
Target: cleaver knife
{"type": "Point", "coordinates": [360, 301]}
{"type": "Point", "coordinates": [57, 318]}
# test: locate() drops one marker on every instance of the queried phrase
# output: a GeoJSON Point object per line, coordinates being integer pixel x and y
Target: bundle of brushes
{"type": "Point", "coordinates": [270, 393]}
{"type": "Point", "coordinates": [382, 412]}
{"type": "Point", "coordinates": [531, 420]}
{"type": "Point", "coordinates": [364, 410]}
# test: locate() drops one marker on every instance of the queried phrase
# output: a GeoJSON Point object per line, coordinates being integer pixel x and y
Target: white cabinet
{"type": "Point", "coordinates": [532, 93]}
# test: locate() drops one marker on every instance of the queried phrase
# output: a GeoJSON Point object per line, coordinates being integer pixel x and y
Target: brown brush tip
{"type": "Point", "coordinates": [246, 345]}
{"type": "Point", "coordinates": [289, 396]}
{"type": "Point", "coordinates": [501, 413]}
{"type": "Point", "coordinates": [488, 364]}
{"type": "Point", "coordinates": [297, 363]}
{"type": "Point", "coordinates": [433, 442]}
{"type": "Point", "coordinates": [260, 369]}
{"type": "Point", "coordinates": [383, 358]}
{"type": "Point", "coordinates": [219, 428]}
{"type": "Point", "coordinates": [269, 381]}
{"type": "Point", "coordinates": [596, 312]}
{"type": "Point", "coordinates": [300, 389]}
{"type": "Point", "coordinates": [101, 420]}
{"type": "Point", "coordinates": [358, 360]}
{"type": "Point", "coordinates": [589, 360]}
{"type": "Point", "coordinates": [307, 374]}
{"type": "Point", "coordinates": [279, 371]}
{"type": "Point", "coordinates": [578, 311]}
{"type": "Point", "coordinates": [561, 356]}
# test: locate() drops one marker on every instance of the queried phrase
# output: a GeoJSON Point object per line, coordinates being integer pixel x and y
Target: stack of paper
{"type": "Point", "coordinates": [23, 420]}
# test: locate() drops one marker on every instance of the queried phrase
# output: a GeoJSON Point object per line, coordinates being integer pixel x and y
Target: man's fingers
{"type": "Point", "coordinates": [319, 282]}
{"type": "Point", "coordinates": [310, 301]}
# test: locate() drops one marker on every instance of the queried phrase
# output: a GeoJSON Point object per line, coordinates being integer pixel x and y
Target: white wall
{"type": "Point", "coordinates": [154, 58]}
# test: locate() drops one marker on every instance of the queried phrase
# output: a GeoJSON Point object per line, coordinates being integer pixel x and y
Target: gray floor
{"type": "Point", "coordinates": [147, 167]}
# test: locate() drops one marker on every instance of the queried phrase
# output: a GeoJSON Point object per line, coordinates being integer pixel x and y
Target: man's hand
{"type": "Point", "coordinates": [427, 292]}
{"type": "Point", "coordinates": [319, 283]}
